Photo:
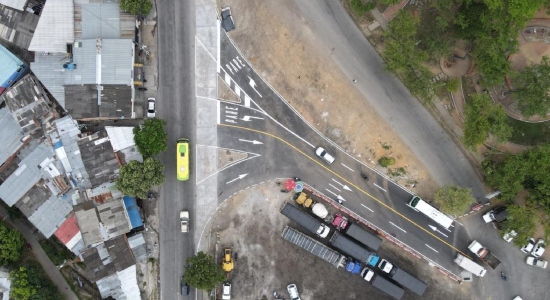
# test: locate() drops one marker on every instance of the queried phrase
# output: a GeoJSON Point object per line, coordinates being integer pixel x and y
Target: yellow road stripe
{"type": "Point", "coordinates": [342, 178]}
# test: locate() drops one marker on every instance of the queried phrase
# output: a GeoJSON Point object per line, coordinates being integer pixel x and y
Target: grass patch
{"type": "Point", "coordinates": [397, 172]}
{"type": "Point", "coordinates": [386, 161]}
{"type": "Point", "coordinates": [529, 133]}
{"type": "Point", "coordinates": [55, 251]}
{"type": "Point", "coordinates": [359, 8]}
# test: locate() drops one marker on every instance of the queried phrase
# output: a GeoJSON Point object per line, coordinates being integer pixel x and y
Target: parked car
{"type": "Point", "coordinates": [184, 220]}
{"type": "Point", "coordinates": [151, 108]}
{"type": "Point", "coordinates": [322, 153]}
{"type": "Point", "coordinates": [517, 298]}
{"type": "Point", "coordinates": [293, 292]}
{"type": "Point", "coordinates": [509, 236]}
{"type": "Point", "coordinates": [537, 262]}
{"type": "Point", "coordinates": [184, 287]}
{"type": "Point", "coordinates": [529, 247]}
{"type": "Point", "coordinates": [226, 291]}
{"type": "Point", "coordinates": [227, 19]}
{"type": "Point", "coordinates": [538, 251]}
{"type": "Point", "coordinates": [497, 214]}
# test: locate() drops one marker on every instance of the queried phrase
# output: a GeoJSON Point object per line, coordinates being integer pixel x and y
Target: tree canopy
{"type": "Point", "coordinates": [29, 282]}
{"type": "Point", "coordinates": [484, 118]}
{"type": "Point", "coordinates": [529, 170]}
{"type": "Point", "coordinates": [202, 272]}
{"type": "Point", "coordinates": [136, 7]}
{"type": "Point", "coordinates": [521, 220]}
{"type": "Point", "coordinates": [150, 138]}
{"type": "Point", "coordinates": [11, 243]}
{"type": "Point", "coordinates": [532, 88]}
{"type": "Point", "coordinates": [454, 200]}
{"type": "Point", "coordinates": [137, 178]}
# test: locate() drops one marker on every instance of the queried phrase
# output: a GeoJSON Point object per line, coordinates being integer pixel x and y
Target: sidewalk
{"type": "Point", "coordinates": [51, 270]}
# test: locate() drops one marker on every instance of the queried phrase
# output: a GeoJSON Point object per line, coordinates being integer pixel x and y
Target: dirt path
{"type": "Point", "coordinates": [278, 42]}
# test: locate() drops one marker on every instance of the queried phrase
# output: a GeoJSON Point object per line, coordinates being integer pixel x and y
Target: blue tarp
{"type": "Point", "coordinates": [57, 145]}
{"type": "Point", "coordinates": [133, 211]}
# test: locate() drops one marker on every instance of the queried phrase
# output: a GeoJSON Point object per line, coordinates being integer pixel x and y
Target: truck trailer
{"type": "Point", "coordinates": [354, 250]}
{"type": "Point", "coordinates": [469, 265]}
{"type": "Point", "coordinates": [311, 245]}
{"type": "Point", "coordinates": [363, 236]}
{"type": "Point", "coordinates": [484, 254]}
{"type": "Point", "coordinates": [305, 220]}
{"type": "Point", "coordinates": [382, 284]}
{"type": "Point", "coordinates": [403, 278]}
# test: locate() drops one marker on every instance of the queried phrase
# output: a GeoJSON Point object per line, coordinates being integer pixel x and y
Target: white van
{"type": "Point", "coordinates": [469, 265]}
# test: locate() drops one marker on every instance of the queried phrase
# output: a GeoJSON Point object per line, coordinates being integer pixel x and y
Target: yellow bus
{"type": "Point", "coordinates": [182, 159]}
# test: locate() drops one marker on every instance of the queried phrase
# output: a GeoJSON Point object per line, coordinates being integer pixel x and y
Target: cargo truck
{"type": "Point", "coordinates": [363, 236]}
{"type": "Point", "coordinates": [382, 284]}
{"type": "Point", "coordinates": [469, 265]}
{"type": "Point", "coordinates": [352, 249]}
{"type": "Point", "coordinates": [340, 222]}
{"type": "Point", "coordinates": [305, 220]}
{"type": "Point", "coordinates": [403, 278]}
{"type": "Point", "coordinates": [311, 245]}
{"type": "Point", "coordinates": [484, 254]}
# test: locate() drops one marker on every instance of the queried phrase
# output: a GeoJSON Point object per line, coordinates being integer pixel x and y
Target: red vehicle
{"type": "Point", "coordinates": [340, 222]}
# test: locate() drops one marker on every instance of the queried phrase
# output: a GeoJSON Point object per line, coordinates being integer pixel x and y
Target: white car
{"type": "Point", "coordinates": [151, 109]}
{"type": "Point", "coordinates": [322, 153]}
{"type": "Point", "coordinates": [184, 220]}
{"type": "Point", "coordinates": [226, 291]}
{"type": "Point", "coordinates": [538, 251]}
{"type": "Point", "coordinates": [509, 236]}
{"type": "Point", "coordinates": [517, 298]}
{"type": "Point", "coordinates": [293, 292]}
{"type": "Point", "coordinates": [529, 247]}
{"type": "Point", "coordinates": [537, 262]}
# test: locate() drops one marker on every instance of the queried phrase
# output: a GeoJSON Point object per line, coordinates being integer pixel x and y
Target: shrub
{"type": "Point", "coordinates": [386, 161]}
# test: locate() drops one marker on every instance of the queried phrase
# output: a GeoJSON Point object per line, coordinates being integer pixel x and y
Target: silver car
{"type": "Point", "coordinates": [293, 292]}
{"type": "Point", "coordinates": [151, 108]}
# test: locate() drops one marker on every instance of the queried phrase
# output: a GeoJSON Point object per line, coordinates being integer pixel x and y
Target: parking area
{"type": "Point", "coordinates": [251, 223]}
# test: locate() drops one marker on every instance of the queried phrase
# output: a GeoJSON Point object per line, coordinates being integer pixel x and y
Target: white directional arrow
{"type": "Point", "coordinates": [345, 187]}
{"type": "Point", "coordinates": [435, 229]}
{"type": "Point", "coordinates": [247, 118]}
{"type": "Point", "coordinates": [340, 198]}
{"type": "Point", "coordinates": [252, 83]}
{"type": "Point", "coordinates": [254, 142]}
{"type": "Point", "coordinates": [240, 177]}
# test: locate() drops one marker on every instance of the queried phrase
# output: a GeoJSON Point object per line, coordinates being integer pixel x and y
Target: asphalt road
{"type": "Point", "coordinates": [176, 105]}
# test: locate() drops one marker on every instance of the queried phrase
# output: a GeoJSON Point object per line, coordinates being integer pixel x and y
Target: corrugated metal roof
{"type": "Point", "coordinates": [138, 246]}
{"type": "Point", "coordinates": [99, 158]}
{"type": "Point", "coordinates": [113, 216]}
{"type": "Point", "coordinates": [120, 137]}
{"type": "Point", "coordinates": [17, 4]}
{"type": "Point", "coordinates": [117, 61]}
{"type": "Point", "coordinates": [100, 20]}
{"type": "Point", "coordinates": [52, 214]}
{"type": "Point", "coordinates": [88, 222]}
{"type": "Point", "coordinates": [33, 199]}
{"type": "Point", "coordinates": [26, 175]}
{"type": "Point", "coordinates": [55, 28]}
{"type": "Point", "coordinates": [10, 135]}
{"type": "Point", "coordinates": [68, 230]}
{"type": "Point", "coordinates": [49, 70]}
{"type": "Point", "coordinates": [10, 64]}
{"type": "Point", "coordinates": [108, 258]}
{"type": "Point", "coordinates": [17, 27]}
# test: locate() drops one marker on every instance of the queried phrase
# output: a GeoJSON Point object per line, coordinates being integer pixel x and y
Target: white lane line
{"type": "Point", "coordinates": [231, 108]}
{"type": "Point", "coordinates": [431, 248]}
{"type": "Point", "coordinates": [398, 227]}
{"type": "Point", "coordinates": [367, 208]}
{"type": "Point", "coordinates": [345, 187]}
{"type": "Point", "coordinates": [246, 101]}
{"type": "Point", "coordinates": [230, 121]}
{"type": "Point", "coordinates": [335, 187]}
{"type": "Point", "coordinates": [231, 112]}
{"type": "Point", "coordinates": [232, 117]}
{"type": "Point", "coordinates": [331, 192]}
{"type": "Point", "coordinates": [348, 168]}
{"type": "Point", "coordinates": [379, 187]}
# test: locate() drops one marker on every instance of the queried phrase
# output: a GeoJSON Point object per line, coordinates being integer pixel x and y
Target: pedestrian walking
{"type": "Point", "coordinates": [355, 80]}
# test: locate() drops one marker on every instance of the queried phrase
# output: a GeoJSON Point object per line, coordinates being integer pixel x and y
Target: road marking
{"type": "Point", "coordinates": [231, 108]}
{"type": "Point", "coordinates": [398, 227]}
{"type": "Point", "coordinates": [340, 198]}
{"type": "Point", "coordinates": [367, 207]}
{"type": "Point", "coordinates": [232, 117]}
{"type": "Point", "coordinates": [230, 121]}
{"type": "Point", "coordinates": [347, 167]}
{"type": "Point", "coordinates": [335, 187]}
{"type": "Point", "coordinates": [314, 160]}
{"type": "Point", "coordinates": [341, 184]}
{"type": "Point", "coordinates": [246, 101]}
{"type": "Point", "coordinates": [240, 177]}
{"type": "Point", "coordinates": [227, 76]}
{"type": "Point", "coordinates": [231, 112]}
{"type": "Point", "coordinates": [254, 142]}
{"type": "Point", "coordinates": [379, 187]}
{"type": "Point", "coordinates": [431, 248]}
{"type": "Point", "coordinates": [435, 229]}
{"type": "Point", "coordinates": [218, 113]}
{"type": "Point", "coordinates": [237, 90]}
{"type": "Point", "coordinates": [239, 59]}
{"type": "Point", "coordinates": [331, 192]}
{"type": "Point", "coordinates": [253, 85]}
{"type": "Point", "coordinates": [247, 118]}
{"type": "Point", "coordinates": [236, 69]}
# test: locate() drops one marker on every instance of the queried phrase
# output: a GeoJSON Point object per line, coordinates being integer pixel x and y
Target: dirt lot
{"type": "Point", "coordinates": [266, 33]}
{"type": "Point", "coordinates": [250, 221]}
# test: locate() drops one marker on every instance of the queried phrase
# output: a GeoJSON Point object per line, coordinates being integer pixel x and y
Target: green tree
{"type": "Point", "coordinates": [454, 200]}
{"type": "Point", "coordinates": [388, 2]}
{"type": "Point", "coordinates": [359, 8]}
{"type": "Point", "coordinates": [521, 220]}
{"type": "Point", "coordinates": [11, 244]}
{"type": "Point", "coordinates": [202, 272]}
{"type": "Point", "coordinates": [136, 7]}
{"type": "Point", "coordinates": [452, 85]}
{"type": "Point", "coordinates": [21, 288]}
{"type": "Point", "coordinates": [150, 138]}
{"type": "Point", "coordinates": [137, 178]}
{"type": "Point", "coordinates": [482, 118]}
{"type": "Point", "coordinates": [532, 89]}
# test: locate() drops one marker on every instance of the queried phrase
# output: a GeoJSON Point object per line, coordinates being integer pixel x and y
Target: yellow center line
{"type": "Point", "coordinates": [342, 178]}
